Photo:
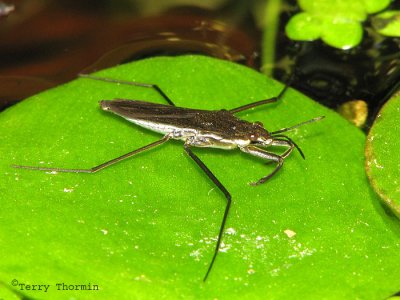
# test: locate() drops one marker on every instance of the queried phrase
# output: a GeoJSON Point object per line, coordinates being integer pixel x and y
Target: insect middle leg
{"type": "Point", "coordinates": [227, 207]}
{"type": "Point", "coordinates": [101, 166]}
{"type": "Point", "coordinates": [141, 84]}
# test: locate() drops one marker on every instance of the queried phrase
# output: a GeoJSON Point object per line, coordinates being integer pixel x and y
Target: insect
{"type": "Point", "coordinates": [197, 128]}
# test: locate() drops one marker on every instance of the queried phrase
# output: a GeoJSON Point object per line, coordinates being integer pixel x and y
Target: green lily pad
{"type": "Point", "coordinates": [146, 227]}
{"type": "Point", "coordinates": [337, 23]}
{"type": "Point", "coordinates": [383, 155]}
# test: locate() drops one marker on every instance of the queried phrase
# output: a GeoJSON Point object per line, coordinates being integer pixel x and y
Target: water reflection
{"type": "Point", "coordinates": [66, 38]}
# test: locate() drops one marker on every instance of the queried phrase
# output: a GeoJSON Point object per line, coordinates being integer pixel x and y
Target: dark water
{"type": "Point", "coordinates": [45, 44]}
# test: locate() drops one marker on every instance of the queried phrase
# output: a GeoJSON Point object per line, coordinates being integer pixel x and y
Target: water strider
{"type": "Point", "coordinates": [197, 128]}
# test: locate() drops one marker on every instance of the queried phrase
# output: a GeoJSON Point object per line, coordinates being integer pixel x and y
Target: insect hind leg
{"type": "Point", "coordinates": [141, 84]}
{"type": "Point", "coordinates": [228, 197]}
{"type": "Point", "coordinates": [101, 166]}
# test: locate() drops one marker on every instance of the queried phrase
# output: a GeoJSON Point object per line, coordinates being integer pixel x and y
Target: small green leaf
{"type": "Point", "coordinates": [343, 35]}
{"type": "Point", "coordinates": [304, 27]}
{"type": "Point", "coordinates": [387, 23]}
{"type": "Point", "coordinates": [337, 23]}
{"type": "Point", "coordinates": [373, 6]}
{"type": "Point", "coordinates": [383, 154]}
{"type": "Point", "coordinates": [146, 227]}
{"type": "Point", "coordinates": [339, 9]}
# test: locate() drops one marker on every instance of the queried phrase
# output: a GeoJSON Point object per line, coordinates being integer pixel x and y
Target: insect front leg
{"type": "Point", "coordinates": [141, 84]}
{"type": "Point", "coordinates": [287, 141]}
{"type": "Point", "coordinates": [253, 150]}
{"type": "Point", "coordinates": [101, 166]}
{"type": "Point", "coordinates": [284, 143]}
{"type": "Point", "coordinates": [227, 207]}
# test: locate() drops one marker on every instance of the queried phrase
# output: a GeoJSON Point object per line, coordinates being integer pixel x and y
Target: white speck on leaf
{"type": "Point", "coordinates": [230, 231]}
{"type": "Point", "coordinates": [196, 254]}
{"type": "Point", "coordinates": [250, 271]}
{"type": "Point", "coordinates": [289, 233]}
{"type": "Point", "coordinates": [224, 247]}
{"type": "Point", "coordinates": [142, 278]}
{"type": "Point", "coordinates": [379, 166]}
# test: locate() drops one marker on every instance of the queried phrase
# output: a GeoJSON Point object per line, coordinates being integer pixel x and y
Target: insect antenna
{"type": "Point", "coordinates": [134, 83]}
{"type": "Point", "coordinates": [276, 134]}
{"type": "Point", "coordinates": [297, 125]}
{"type": "Point", "coordinates": [291, 142]}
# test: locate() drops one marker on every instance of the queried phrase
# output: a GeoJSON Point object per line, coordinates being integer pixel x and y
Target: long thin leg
{"type": "Point", "coordinates": [261, 102]}
{"type": "Point", "coordinates": [284, 143]}
{"type": "Point", "coordinates": [101, 166]}
{"type": "Point", "coordinates": [228, 204]}
{"type": "Point", "coordinates": [265, 155]}
{"type": "Point", "coordinates": [146, 85]}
